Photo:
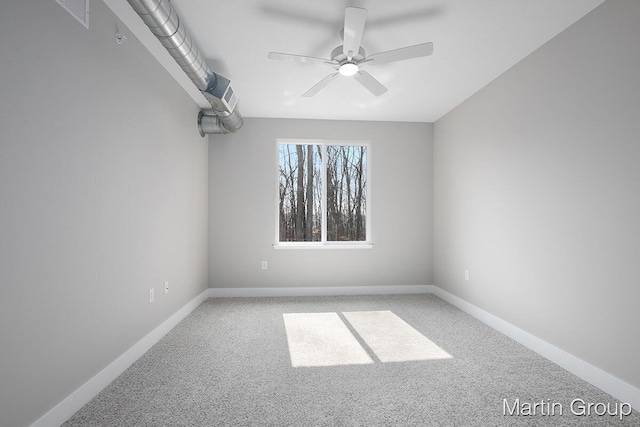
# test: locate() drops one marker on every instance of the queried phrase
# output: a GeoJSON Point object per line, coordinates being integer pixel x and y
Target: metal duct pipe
{"type": "Point", "coordinates": [218, 124]}
{"type": "Point", "coordinates": [165, 24]}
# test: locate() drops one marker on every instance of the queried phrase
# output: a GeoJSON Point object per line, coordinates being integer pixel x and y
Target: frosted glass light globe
{"type": "Point", "coordinates": [348, 69]}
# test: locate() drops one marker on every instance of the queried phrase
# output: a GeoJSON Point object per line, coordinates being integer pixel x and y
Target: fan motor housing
{"type": "Point", "coordinates": [338, 55]}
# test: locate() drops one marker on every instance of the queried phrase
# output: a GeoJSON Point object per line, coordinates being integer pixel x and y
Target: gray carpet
{"type": "Point", "coordinates": [228, 364]}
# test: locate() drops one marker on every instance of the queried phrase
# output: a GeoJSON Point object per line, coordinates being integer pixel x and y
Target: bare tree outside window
{"type": "Point", "coordinates": [306, 204]}
{"type": "Point", "coordinates": [300, 184]}
{"type": "Point", "coordinates": [346, 193]}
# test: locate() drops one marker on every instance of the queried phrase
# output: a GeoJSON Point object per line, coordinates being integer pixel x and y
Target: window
{"type": "Point", "coordinates": [323, 193]}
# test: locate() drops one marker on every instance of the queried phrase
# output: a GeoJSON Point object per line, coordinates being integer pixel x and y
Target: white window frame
{"type": "Point", "coordinates": [323, 244]}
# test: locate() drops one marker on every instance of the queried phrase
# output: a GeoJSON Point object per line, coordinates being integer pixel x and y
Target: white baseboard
{"type": "Point", "coordinates": [76, 400]}
{"type": "Point", "coordinates": [606, 382]}
{"type": "Point", "coordinates": [319, 291]}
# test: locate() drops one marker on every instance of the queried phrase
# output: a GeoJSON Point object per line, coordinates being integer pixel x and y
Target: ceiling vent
{"type": "Point", "coordinates": [78, 8]}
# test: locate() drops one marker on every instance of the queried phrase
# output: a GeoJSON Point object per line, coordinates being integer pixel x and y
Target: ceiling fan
{"type": "Point", "coordinates": [349, 58]}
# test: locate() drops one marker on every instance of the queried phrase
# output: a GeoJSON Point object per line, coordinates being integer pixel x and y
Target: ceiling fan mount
{"type": "Point", "coordinates": [347, 66]}
{"type": "Point", "coordinates": [349, 58]}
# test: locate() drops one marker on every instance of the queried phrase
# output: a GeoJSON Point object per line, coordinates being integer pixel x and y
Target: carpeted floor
{"type": "Point", "coordinates": [228, 364]}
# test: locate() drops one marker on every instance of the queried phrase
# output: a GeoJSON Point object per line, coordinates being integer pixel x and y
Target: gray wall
{"type": "Point", "coordinates": [103, 195]}
{"type": "Point", "coordinates": [536, 193]}
{"type": "Point", "coordinates": [242, 208]}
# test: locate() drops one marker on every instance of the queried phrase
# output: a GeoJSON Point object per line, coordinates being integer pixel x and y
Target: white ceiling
{"type": "Point", "coordinates": [474, 42]}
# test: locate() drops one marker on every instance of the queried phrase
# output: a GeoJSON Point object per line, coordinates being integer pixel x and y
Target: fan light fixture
{"type": "Point", "coordinates": [348, 69]}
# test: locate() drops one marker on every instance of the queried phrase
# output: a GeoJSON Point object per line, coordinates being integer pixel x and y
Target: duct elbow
{"type": "Point", "coordinates": [218, 124]}
{"type": "Point", "coordinates": [210, 124]}
{"type": "Point", "coordinates": [233, 121]}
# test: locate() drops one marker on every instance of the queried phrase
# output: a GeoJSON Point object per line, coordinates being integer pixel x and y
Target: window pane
{"type": "Point", "coordinates": [300, 193]}
{"type": "Point", "coordinates": [346, 193]}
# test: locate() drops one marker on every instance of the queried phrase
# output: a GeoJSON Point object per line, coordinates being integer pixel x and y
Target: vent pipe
{"type": "Point", "coordinates": [165, 24]}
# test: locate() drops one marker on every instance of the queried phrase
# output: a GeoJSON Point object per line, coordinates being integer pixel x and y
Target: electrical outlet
{"type": "Point", "coordinates": [166, 287]}
{"type": "Point", "coordinates": [151, 295]}
{"type": "Point", "coordinates": [466, 275]}
{"type": "Point", "coordinates": [264, 265]}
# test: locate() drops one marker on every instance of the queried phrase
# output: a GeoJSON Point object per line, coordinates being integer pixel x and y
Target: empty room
{"type": "Point", "coordinates": [349, 213]}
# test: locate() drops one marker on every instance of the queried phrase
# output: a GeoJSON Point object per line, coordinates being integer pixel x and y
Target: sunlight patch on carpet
{"type": "Point", "coordinates": [391, 338]}
{"type": "Point", "coordinates": [322, 339]}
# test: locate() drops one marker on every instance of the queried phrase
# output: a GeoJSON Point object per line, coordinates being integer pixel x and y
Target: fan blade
{"type": "Point", "coordinates": [354, 18]}
{"type": "Point", "coordinates": [409, 52]}
{"type": "Point", "coordinates": [320, 85]}
{"type": "Point", "coordinates": [297, 58]}
{"type": "Point", "coordinates": [368, 81]}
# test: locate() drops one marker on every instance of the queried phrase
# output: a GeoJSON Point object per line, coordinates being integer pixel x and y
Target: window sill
{"type": "Point", "coordinates": [315, 245]}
